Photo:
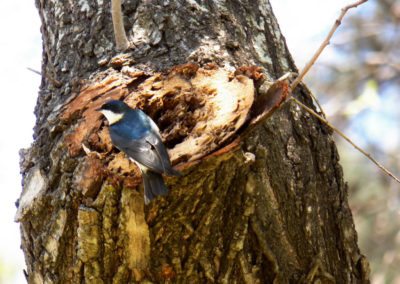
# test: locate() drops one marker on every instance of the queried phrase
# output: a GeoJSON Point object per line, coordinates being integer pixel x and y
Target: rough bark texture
{"type": "Point", "coordinates": [270, 207]}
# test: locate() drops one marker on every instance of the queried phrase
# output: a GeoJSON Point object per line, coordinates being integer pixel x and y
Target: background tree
{"type": "Point", "coordinates": [271, 207]}
{"type": "Point", "coordinates": [359, 91]}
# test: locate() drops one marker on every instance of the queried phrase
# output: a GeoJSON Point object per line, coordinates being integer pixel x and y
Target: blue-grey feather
{"type": "Point", "coordinates": [138, 136]}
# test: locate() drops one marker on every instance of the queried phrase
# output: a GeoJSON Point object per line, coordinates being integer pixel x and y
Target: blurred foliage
{"type": "Point", "coordinates": [359, 87]}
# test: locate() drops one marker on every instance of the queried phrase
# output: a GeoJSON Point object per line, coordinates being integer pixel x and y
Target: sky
{"type": "Point", "coordinates": [303, 23]}
{"type": "Point", "coordinates": [20, 46]}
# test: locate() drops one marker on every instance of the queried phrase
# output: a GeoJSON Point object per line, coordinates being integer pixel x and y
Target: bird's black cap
{"type": "Point", "coordinates": [114, 106]}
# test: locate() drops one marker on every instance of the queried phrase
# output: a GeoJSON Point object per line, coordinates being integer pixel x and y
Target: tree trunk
{"type": "Point", "coordinates": [264, 206]}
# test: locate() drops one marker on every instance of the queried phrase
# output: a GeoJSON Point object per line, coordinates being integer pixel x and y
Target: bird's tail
{"type": "Point", "coordinates": [153, 185]}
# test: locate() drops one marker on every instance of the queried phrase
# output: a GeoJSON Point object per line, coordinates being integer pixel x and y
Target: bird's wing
{"type": "Point", "coordinates": [144, 151]}
{"type": "Point", "coordinates": [162, 153]}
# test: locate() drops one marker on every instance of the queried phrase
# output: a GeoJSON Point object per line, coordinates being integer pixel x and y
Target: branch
{"type": "Point", "coordinates": [312, 112]}
{"type": "Point", "coordinates": [118, 24]}
{"type": "Point", "coordinates": [324, 44]}
{"type": "Point", "coordinates": [55, 82]}
{"type": "Point", "coordinates": [34, 71]}
{"type": "Point", "coordinates": [309, 110]}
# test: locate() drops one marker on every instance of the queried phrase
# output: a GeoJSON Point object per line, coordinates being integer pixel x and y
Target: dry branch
{"type": "Point", "coordinates": [309, 110]}
{"type": "Point", "coordinates": [324, 44]}
{"type": "Point", "coordinates": [308, 67]}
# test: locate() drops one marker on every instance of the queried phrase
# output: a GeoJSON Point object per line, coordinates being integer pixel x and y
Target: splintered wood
{"type": "Point", "coordinates": [197, 110]}
{"type": "Point", "coordinates": [196, 114]}
{"type": "Point", "coordinates": [224, 112]}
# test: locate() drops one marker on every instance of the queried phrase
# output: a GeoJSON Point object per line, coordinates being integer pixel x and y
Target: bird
{"type": "Point", "coordinates": [137, 135]}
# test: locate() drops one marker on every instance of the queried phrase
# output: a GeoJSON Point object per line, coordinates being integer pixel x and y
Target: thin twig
{"type": "Point", "coordinates": [309, 110]}
{"type": "Point", "coordinates": [312, 112]}
{"type": "Point", "coordinates": [324, 44]}
{"type": "Point", "coordinates": [55, 82]}
{"type": "Point", "coordinates": [34, 71]}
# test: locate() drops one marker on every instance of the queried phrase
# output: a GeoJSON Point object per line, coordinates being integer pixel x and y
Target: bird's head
{"type": "Point", "coordinates": [114, 110]}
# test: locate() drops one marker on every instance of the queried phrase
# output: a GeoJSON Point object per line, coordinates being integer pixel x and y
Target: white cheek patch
{"type": "Point", "coordinates": [111, 116]}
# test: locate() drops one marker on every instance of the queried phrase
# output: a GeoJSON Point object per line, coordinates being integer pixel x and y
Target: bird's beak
{"type": "Point", "coordinates": [98, 109]}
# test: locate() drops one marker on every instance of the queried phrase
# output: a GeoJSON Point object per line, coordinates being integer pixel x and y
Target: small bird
{"type": "Point", "coordinates": [137, 135]}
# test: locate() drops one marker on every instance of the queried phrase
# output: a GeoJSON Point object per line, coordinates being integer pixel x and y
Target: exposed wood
{"type": "Point", "coordinates": [196, 109]}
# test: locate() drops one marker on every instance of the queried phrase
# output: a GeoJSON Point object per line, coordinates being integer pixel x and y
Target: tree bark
{"type": "Point", "coordinates": [269, 206]}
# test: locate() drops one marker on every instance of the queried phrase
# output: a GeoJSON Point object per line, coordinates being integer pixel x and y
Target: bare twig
{"type": "Point", "coordinates": [55, 82]}
{"type": "Point", "coordinates": [312, 112]}
{"type": "Point", "coordinates": [119, 31]}
{"type": "Point", "coordinates": [309, 110]}
{"type": "Point", "coordinates": [324, 44]}
{"type": "Point", "coordinates": [34, 71]}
